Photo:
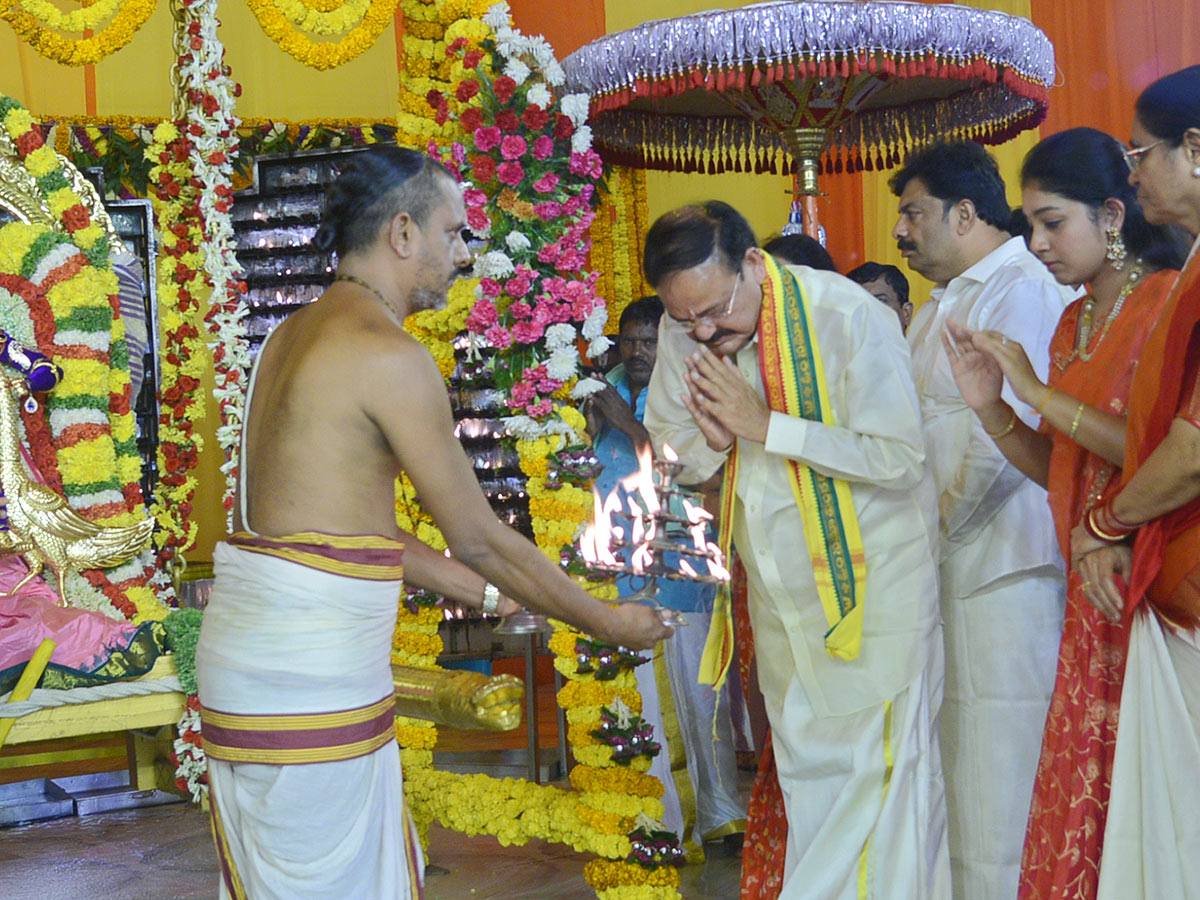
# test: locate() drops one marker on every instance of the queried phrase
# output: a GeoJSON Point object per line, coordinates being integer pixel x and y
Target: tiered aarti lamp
{"type": "Point", "coordinates": [651, 531]}
{"type": "Point", "coordinates": [810, 86]}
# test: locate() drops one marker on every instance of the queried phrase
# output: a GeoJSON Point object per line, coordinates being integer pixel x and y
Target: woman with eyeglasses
{"type": "Point", "coordinates": [1138, 549]}
{"type": "Point", "coordinates": [1088, 229]}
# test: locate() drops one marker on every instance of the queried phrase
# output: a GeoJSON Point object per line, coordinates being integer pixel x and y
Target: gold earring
{"type": "Point", "coordinates": [1115, 251]}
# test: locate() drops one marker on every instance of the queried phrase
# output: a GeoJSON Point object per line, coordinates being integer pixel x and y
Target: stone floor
{"type": "Point", "coordinates": [166, 853]}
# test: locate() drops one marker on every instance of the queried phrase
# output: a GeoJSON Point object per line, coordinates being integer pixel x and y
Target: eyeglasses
{"type": "Point", "coordinates": [1133, 155]}
{"type": "Point", "coordinates": [710, 318]}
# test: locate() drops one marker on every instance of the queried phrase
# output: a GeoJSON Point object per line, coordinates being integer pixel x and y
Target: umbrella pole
{"type": "Point", "coordinates": [805, 146]}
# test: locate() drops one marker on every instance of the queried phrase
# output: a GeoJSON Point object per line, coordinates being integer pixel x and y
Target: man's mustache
{"type": "Point", "coordinates": [904, 244]}
{"type": "Point", "coordinates": [719, 335]}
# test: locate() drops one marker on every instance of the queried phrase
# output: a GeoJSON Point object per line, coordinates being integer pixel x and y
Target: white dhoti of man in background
{"type": "Point", "coordinates": [1003, 591]}
{"type": "Point", "coordinates": [855, 738]}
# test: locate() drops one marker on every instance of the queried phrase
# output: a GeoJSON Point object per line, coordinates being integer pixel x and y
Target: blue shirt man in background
{"type": "Point", "coordinates": [615, 422]}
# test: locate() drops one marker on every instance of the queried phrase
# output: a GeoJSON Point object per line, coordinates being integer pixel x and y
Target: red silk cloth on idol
{"type": "Point", "coordinates": [1070, 795]}
{"type": "Point", "coordinates": [765, 843]}
{"type": "Point", "coordinates": [1164, 550]}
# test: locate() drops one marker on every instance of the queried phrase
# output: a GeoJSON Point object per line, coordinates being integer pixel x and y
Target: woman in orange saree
{"type": "Point", "coordinates": [1087, 228]}
{"type": "Point", "coordinates": [1150, 848]}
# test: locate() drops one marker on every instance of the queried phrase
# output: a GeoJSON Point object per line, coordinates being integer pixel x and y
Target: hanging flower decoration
{"type": "Point", "coordinates": [542, 301]}
{"type": "Point", "coordinates": [58, 292]}
{"type": "Point", "coordinates": [628, 734]}
{"type": "Point", "coordinates": [212, 145]}
{"type": "Point", "coordinates": [36, 21]}
{"type": "Point", "coordinates": [292, 24]}
{"type": "Point", "coordinates": [182, 285]}
{"type": "Point", "coordinates": [603, 660]}
{"type": "Point", "coordinates": [429, 27]}
{"type": "Point", "coordinates": [654, 846]}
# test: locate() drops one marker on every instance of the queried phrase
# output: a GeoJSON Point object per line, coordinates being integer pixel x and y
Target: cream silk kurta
{"type": "Point", "coordinates": [855, 740]}
{"type": "Point", "coordinates": [1001, 573]}
{"type": "Point", "coordinates": [985, 501]}
{"type": "Point", "coordinates": [877, 447]}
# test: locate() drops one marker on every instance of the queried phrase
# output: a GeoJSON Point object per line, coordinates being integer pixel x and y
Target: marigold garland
{"type": "Point", "coordinates": [132, 15]}
{"type": "Point", "coordinates": [87, 18]}
{"type": "Point", "coordinates": [328, 55]}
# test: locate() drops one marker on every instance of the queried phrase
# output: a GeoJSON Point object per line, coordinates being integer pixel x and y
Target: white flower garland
{"type": "Point", "coordinates": [211, 122]}
{"type": "Point", "coordinates": [204, 72]}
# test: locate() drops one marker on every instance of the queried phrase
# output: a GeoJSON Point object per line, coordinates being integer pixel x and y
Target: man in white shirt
{"type": "Point", "coordinates": [1001, 574]}
{"type": "Point", "coordinates": [854, 737]}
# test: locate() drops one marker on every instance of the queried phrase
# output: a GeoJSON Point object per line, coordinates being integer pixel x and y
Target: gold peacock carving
{"type": "Point", "coordinates": [42, 528]}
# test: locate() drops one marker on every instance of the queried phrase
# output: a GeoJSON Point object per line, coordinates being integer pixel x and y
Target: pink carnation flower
{"type": "Point", "coordinates": [587, 163]}
{"type": "Point", "coordinates": [513, 146]}
{"type": "Point", "coordinates": [517, 286]}
{"type": "Point", "coordinates": [487, 138]}
{"type": "Point", "coordinates": [546, 183]}
{"type": "Point", "coordinates": [510, 173]}
{"type": "Point", "coordinates": [543, 147]}
{"type": "Point", "coordinates": [478, 220]}
{"type": "Point", "coordinates": [490, 287]}
{"type": "Point", "coordinates": [542, 408]}
{"type": "Point", "coordinates": [571, 260]}
{"type": "Point", "coordinates": [522, 392]}
{"type": "Point", "coordinates": [547, 210]}
{"type": "Point", "coordinates": [527, 332]}
{"type": "Point", "coordinates": [474, 197]}
{"type": "Point", "coordinates": [498, 337]}
{"type": "Point", "coordinates": [483, 316]}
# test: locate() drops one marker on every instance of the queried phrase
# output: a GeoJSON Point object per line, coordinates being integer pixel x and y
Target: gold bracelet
{"type": "Point", "coordinates": [1012, 423]}
{"type": "Point", "coordinates": [1075, 421]}
{"type": "Point", "coordinates": [1040, 408]}
{"type": "Point", "coordinates": [1091, 527]}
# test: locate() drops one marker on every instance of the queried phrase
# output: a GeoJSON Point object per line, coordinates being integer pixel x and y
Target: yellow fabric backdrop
{"type": "Point", "coordinates": [136, 80]}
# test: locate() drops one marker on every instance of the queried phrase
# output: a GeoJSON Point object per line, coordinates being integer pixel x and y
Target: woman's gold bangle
{"type": "Point", "coordinates": [1076, 420]}
{"type": "Point", "coordinates": [1012, 423]}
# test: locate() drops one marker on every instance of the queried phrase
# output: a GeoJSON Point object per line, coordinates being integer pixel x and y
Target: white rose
{"type": "Point", "coordinates": [559, 335]}
{"type": "Point", "coordinates": [517, 242]}
{"type": "Point", "coordinates": [575, 108]}
{"type": "Point", "coordinates": [493, 264]}
{"type": "Point", "coordinates": [539, 94]}
{"type": "Point", "coordinates": [562, 364]}
{"type": "Point", "coordinates": [517, 71]}
{"type": "Point", "coordinates": [581, 140]}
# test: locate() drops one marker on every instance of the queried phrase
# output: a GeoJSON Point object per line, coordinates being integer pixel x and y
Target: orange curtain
{"type": "Point", "coordinates": [1108, 52]}
{"type": "Point", "coordinates": [841, 212]}
{"type": "Point", "coordinates": [567, 26]}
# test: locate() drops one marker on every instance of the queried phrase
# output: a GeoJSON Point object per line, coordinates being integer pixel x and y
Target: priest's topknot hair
{"type": "Point", "coordinates": [377, 185]}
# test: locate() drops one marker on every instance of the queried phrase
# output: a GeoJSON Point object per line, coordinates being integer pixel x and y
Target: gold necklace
{"type": "Point", "coordinates": [1084, 335]}
{"type": "Point", "coordinates": [365, 285]}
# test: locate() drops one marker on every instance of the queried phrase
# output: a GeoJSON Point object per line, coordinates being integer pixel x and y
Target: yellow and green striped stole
{"type": "Point", "coordinates": [794, 383]}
